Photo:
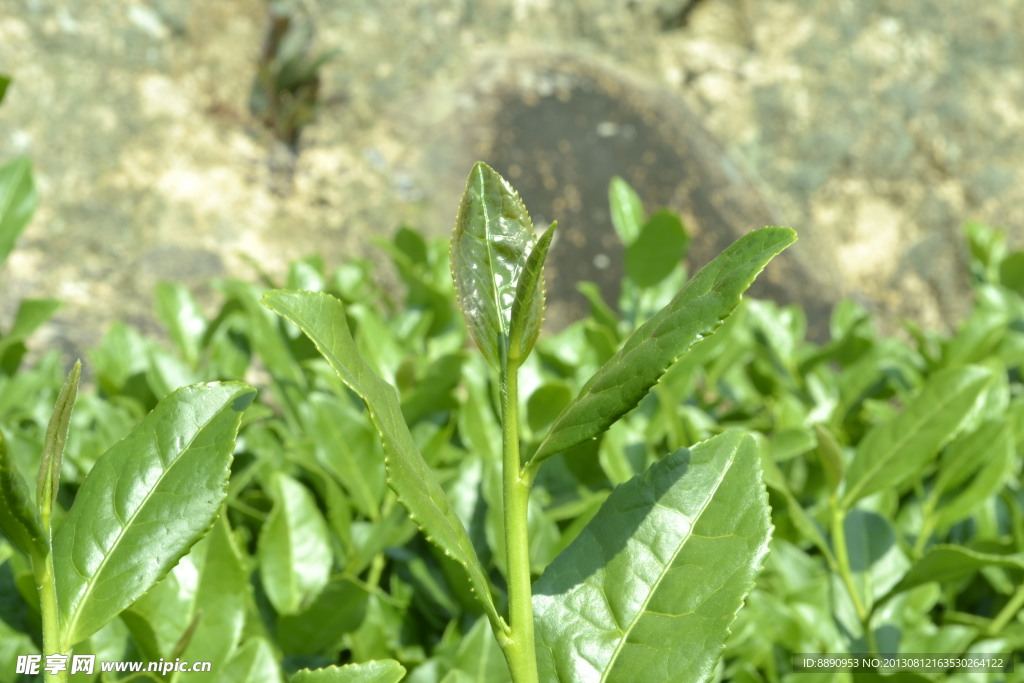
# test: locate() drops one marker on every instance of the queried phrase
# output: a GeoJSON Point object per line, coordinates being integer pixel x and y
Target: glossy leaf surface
{"type": "Point", "coordinates": [649, 588]}
{"type": "Point", "coordinates": [492, 237]}
{"type": "Point", "coordinates": [896, 450]}
{"type": "Point", "coordinates": [145, 502]}
{"type": "Point", "coordinates": [294, 548]}
{"type": "Point", "coordinates": [322, 318]}
{"type": "Point", "coordinates": [699, 308]}
{"type": "Point", "coordinates": [384, 671]}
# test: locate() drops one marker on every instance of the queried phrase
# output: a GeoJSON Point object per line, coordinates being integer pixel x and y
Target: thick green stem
{"type": "Point", "coordinates": [42, 568]}
{"type": "Point", "coordinates": [519, 650]}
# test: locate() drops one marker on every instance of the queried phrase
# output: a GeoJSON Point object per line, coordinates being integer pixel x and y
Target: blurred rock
{"type": "Point", "coordinates": [875, 133]}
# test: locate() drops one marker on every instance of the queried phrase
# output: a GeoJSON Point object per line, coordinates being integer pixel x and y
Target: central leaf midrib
{"type": "Point", "coordinates": [657, 584]}
{"type": "Point", "coordinates": [91, 582]}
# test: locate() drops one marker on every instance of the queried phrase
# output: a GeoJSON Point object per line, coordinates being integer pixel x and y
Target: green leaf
{"type": "Point", "coordinates": [545, 403]}
{"type": "Point", "coordinates": [967, 453]}
{"type": "Point", "coordinates": [789, 443]}
{"type": "Point", "coordinates": [896, 450]}
{"type": "Point", "coordinates": [19, 519]}
{"type": "Point", "coordinates": [5, 81]}
{"type": "Point", "coordinates": [949, 563]}
{"type": "Point", "coordinates": [1011, 272]}
{"type": "Point", "coordinates": [875, 558]}
{"type": "Point", "coordinates": [699, 308]}
{"type": "Point", "coordinates": [254, 663]}
{"type": "Point", "coordinates": [31, 315]}
{"type": "Point", "coordinates": [17, 203]}
{"type": "Point", "coordinates": [658, 249]}
{"type": "Point", "coordinates": [158, 619]}
{"type": "Point", "coordinates": [650, 587]}
{"type": "Point", "coordinates": [146, 501]}
{"type": "Point", "coordinates": [528, 305]}
{"type": "Point", "coordinates": [480, 657]}
{"type": "Point", "coordinates": [383, 671]}
{"type": "Point", "coordinates": [182, 317]}
{"type": "Point", "coordinates": [600, 311]}
{"type": "Point", "coordinates": [345, 445]}
{"type": "Point", "coordinates": [997, 467]}
{"type": "Point", "coordinates": [338, 610]}
{"type": "Point", "coordinates": [53, 447]}
{"type": "Point", "coordinates": [219, 603]}
{"type": "Point", "coordinates": [627, 210]}
{"type": "Point", "coordinates": [294, 547]}
{"type": "Point", "coordinates": [411, 243]}
{"type": "Point", "coordinates": [322, 318]}
{"type": "Point", "coordinates": [830, 455]}
{"type": "Point", "coordinates": [493, 233]}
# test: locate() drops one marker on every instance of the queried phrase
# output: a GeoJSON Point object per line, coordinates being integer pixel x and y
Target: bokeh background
{"type": "Point", "coordinates": [189, 139]}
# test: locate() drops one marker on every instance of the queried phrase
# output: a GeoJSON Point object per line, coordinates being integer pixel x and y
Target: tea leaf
{"type": "Point", "coordinates": [655, 579]}
{"type": "Point", "coordinates": [948, 563]}
{"type": "Point", "coordinates": [383, 671]}
{"type": "Point", "coordinates": [896, 450]}
{"type": "Point", "coordinates": [17, 202]}
{"type": "Point", "coordinates": [53, 447]}
{"type": "Point", "coordinates": [254, 663]}
{"type": "Point", "coordinates": [345, 445]}
{"type": "Point", "coordinates": [699, 308]}
{"type": "Point", "coordinates": [1011, 272]}
{"type": "Point", "coordinates": [31, 315]}
{"type": "Point", "coordinates": [967, 453]}
{"type": "Point", "coordinates": [322, 318]}
{"type": "Point", "coordinates": [145, 502]}
{"type": "Point", "coordinates": [492, 235]}
{"type": "Point", "coordinates": [657, 250]}
{"type": "Point", "coordinates": [19, 519]}
{"type": "Point", "coordinates": [875, 558]}
{"type": "Point", "coordinates": [627, 210]}
{"type": "Point", "coordinates": [294, 548]}
{"type": "Point", "coordinates": [338, 609]}
{"type": "Point", "coordinates": [182, 317]}
{"type": "Point", "coordinates": [219, 603]}
{"type": "Point", "coordinates": [528, 306]}
{"type": "Point", "coordinates": [480, 657]}
{"type": "Point", "coordinates": [830, 455]}
{"type": "Point", "coordinates": [997, 467]}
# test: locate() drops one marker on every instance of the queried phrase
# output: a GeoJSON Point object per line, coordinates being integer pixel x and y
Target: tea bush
{"type": "Point", "coordinates": [892, 468]}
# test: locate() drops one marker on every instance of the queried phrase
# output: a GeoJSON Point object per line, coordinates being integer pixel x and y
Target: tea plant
{"type": "Point", "coordinates": [314, 563]}
{"type": "Point", "coordinates": [635, 592]}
